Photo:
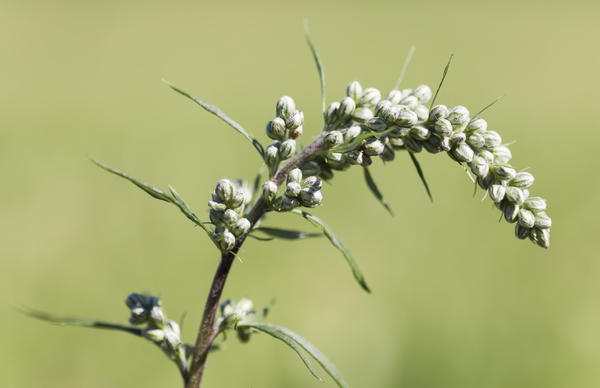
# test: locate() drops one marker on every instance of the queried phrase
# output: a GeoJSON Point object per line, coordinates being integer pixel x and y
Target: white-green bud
{"type": "Point", "coordinates": [502, 154]}
{"type": "Point", "coordinates": [438, 112]}
{"type": "Point", "coordinates": [406, 117]}
{"type": "Point", "coordinates": [362, 114]}
{"type": "Point", "coordinates": [352, 133]}
{"type": "Point", "coordinates": [355, 157]}
{"type": "Point", "coordinates": [296, 132]}
{"type": "Point", "coordinates": [354, 90]}
{"type": "Point", "coordinates": [310, 198]}
{"type": "Point", "coordinates": [459, 116]}
{"type": "Point", "coordinates": [442, 127]}
{"type": "Point", "coordinates": [479, 167]}
{"type": "Point", "coordinates": [383, 104]}
{"type": "Point", "coordinates": [286, 203]}
{"type": "Point", "coordinates": [503, 172]}
{"type": "Point", "coordinates": [373, 147]}
{"type": "Point", "coordinates": [521, 231]}
{"type": "Point", "coordinates": [216, 217]}
{"type": "Point", "coordinates": [457, 138]}
{"type": "Point", "coordinates": [406, 92]}
{"type": "Point", "coordinates": [158, 317]}
{"type": "Point", "coordinates": [510, 211]}
{"type": "Point", "coordinates": [333, 139]}
{"type": "Point", "coordinates": [218, 206]}
{"type": "Point", "coordinates": [487, 156]}
{"type": "Point", "coordinates": [227, 241]}
{"type": "Point", "coordinates": [526, 218]}
{"type": "Point", "coordinates": [389, 113]}
{"type": "Point", "coordinates": [370, 96]}
{"type": "Point", "coordinates": [292, 189]}
{"type": "Point", "coordinates": [535, 204]}
{"type": "Point", "coordinates": [224, 190]}
{"type": "Point", "coordinates": [332, 112]}
{"type": "Point", "coordinates": [410, 102]}
{"type": "Point", "coordinates": [497, 192]}
{"type": "Point", "coordinates": [492, 139]}
{"type": "Point", "coordinates": [154, 335]}
{"type": "Point", "coordinates": [476, 140]}
{"type": "Point", "coordinates": [422, 112]}
{"type": "Point", "coordinates": [376, 124]}
{"type": "Point", "coordinates": [347, 106]}
{"type": "Point", "coordinates": [419, 132]}
{"type": "Point", "coordinates": [238, 200]}
{"type": "Point", "coordinates": [287, 149]}
{"type": "Point", "coordinates": [541, 237]}
{"type": "Point", "coordinates": [463, 153]}
{"type": "Point", "coordinates": [242, 188]}
{"type": "Point", "coordinates": [295, 175]}
{"type": "Point", "coordinates": [515, 195]}
{"type": "Point", "coordinates": [422, 93]}
{"type": "Point", "coordinates": [230, 217]}
{"type": "Point", "coordinates": [394, 96]}
{"type": "Point", "coordinates": [542, 221]}
{"type": "Point", "coordinates": [522, 180]}
{"type": "Point", "coordinates": [244, 306]}
{"type": "Point", "coordinates": [285, 106]}
{"type": "Point", "coordinates": [477, 125]}
{"type": "Point", "coordinates": [276, 129]}
{"type": "Point", "coordinates": [486, 181]}
{"type": "Point", "coordinates": [272, 154]}
{"type": "Point", "coordinates": [269, 191]}
{"type": "Point", "coordinates": [241, 227]}
{"type": "Point", "coordinates": [294, 120]}
{"type": "Point", "coordinates": [312, 182]}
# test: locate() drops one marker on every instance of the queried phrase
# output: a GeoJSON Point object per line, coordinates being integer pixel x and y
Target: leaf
{"type": "Point", "coordinates": [317, 222]}
{"type": "Point", "coordinates": [220, 114]}
{"type": "Point", "coordinates": [375, 190]}
{"type": "Point", "coordinates": [318, 62]}
{"type": "Point", "coordinates": [421, 175]}
{"type": "Point", "coordinates": [411, 51]}
{"type": "Point", "coordinates": [261, 238]}
{"type": "Point", "coordinates": [287, 234]}
{"type": "Point", "coordinates": [300, 346]}
{"type": "Point", "coordinates": [65, 321]}
{"type": "Point", "coordinates": [185, 209]}
{"type": "Point", "coordinates": [486, 108]}
{"type": "Point", "coordinates": [442, 81]}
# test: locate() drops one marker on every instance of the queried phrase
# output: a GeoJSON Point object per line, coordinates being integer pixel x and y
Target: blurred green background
{"type": "Point", "coordinates": [457, 301]}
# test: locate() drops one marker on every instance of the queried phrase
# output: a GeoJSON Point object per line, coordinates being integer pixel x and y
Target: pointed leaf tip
{"type": "Point", "coordinates": [421, 175]}
{"type": "Point", "coordinates": [375, 190]}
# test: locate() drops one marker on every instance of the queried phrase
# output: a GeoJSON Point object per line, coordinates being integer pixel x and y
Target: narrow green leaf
{"type": "Point", "coordinates": [220, 114]}
{"type": "Point", "coordinates": [287, 234]}
{"type": "Point", "coordinates": [486, 107]}
{"type": "Point", "coordinates": [441, 82]}
{"type": "Point", "coordinates": [421, 175]}
{"type": "Point", "coordinates": [317, 222]}
{"type": "Point", "coordinates": [65, 321]}
{"type": "Point", "coordinates": [300, 345]}
{"type": "Point", "coordinates": [409, 56]}
{"type": "Point", "coordinates": [375, 190]}
{"type": "Point", "coordinates": [260, 238]}
{"type": "Point", "coordinates": [318, 62]}
{"type": "Point", "coordinates": [153, 191]}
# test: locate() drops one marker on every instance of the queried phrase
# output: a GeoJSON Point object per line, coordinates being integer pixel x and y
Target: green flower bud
{"type": "Point", "coordinates": [294, 120]}
{"type": "Point", "coordinates": [463, 153]}
{"type": "Point", "coordinates": [285, 203]}
{"type": "Point", "coordinates": [218, 206]}
{"type": "Point", "coordinates": [422, 93]}
{"type": "Point", "coordinates": [388, 153]}
{"type": "Point", "coordinates": [503, 172]}
{"type": "Point", "coordinates": [492, 139]}
{"type": "Point", "coordinates": [333, 139]}
{"type": "Point", "coordinates": [497, 192]}
{"type": "Point", "coordinates": [515, 195]}
{"type": "Point", "coordinates": [292, 189]}
{"type": "Point", "coordinates": [276, 129]}
{"type": "Point", "coordinates": [369, 97]}
{"type": "Point", "coordinates": [287, 149]}
{"type": "Point", "coordinates": [394, 97]}
{"type": "Point", "coordinates": [362, 114]}
{"type": "Point", "coordinates": [502, 154]}
{"type": "Point", "coordinates": [296, 132]}
{"type": "Point", "coordinates": [442, 127]}
{"type": "Point", "coordinates": [354, 157]}
{"type": "Point", "coordinates": [476, 140]}
{"type": "Point", "coordinates": [376, 124]}
{"type": "Point", "coordinates": [269, 191]}
{"type": "Point", "coordinates": [158, 317]}
{"type": "Point", "coordinates": [522, 180]}
{"type": "Point", "coordinates": [227, 241]}
{"type": "Point", "coordinates": [373, 147]}
{"type": "Point", "coordinates": [419, 132]}
{"type": "Point", "coordinates": [241, 227]}
{"type": "Point", "coordinates": [459, 116]}
{"type": "Point", "coordinates": [346, 108]}
{"type": "Point", "coordinates": [477, 125]}
{"type": "Point", "coordinates": [412, 145]}
{"type": "Point", "coordinates": [272, 154]}
{"type": "Point", "coordinates": [510, 211]}
{"type": "Point", "coordinates": [541, 237]}
{"type": "Point", "coordinates": [521, 231]}
{"type": "Point", "coordinates": [154, 335]}
{"type": "Point", "coordinates": [479, 167]}
{"type": "Point", "coordinates": [230, 217]}
{"type": "Point", "coordinates": [332, 112]}
{"type": "Point", "coordinates": [542, 221]}
{"type": "Point", "coordinates": [397, 142]}
{"type": "Point", "coordinates": [312, 182]}
{"type": "Point", "coordinates": [526, 218]}
{"type": "Point", "coordinates": [352, 133]}
{"type": "Point", "coordinates": [366, 160]}
{"type": "Point", "coordinates": [406, 118]}
{"type": "Point", "coordinates": [445, 145]}
{"type": "Point", "coordinates": [285, 106]}
{"type": "Point", "coordinates": [535, 204]}
{"type": "Point", "coordinates": [432, 145]}
{"type": "Point", "coordinates": [422, 112]}
{"type": "Point", "coordinates": [410, 102]}
{"type": "Point", "coordinates": [216, 217]}
{"type": "Point", "coordinates": [487, 156]}
{"type": "Point", "coordinates": [295, 175]}
{"type": "Point", "coordinates": [486, 181]}
{"type": "Point", "coordinates": [354, 90]}
{"type": "Point", "coordinates": [224, 190]}
{"type": "Point", "coordinates": [438, 112]}
{"type": "Point", "coordinates": [310, 198]}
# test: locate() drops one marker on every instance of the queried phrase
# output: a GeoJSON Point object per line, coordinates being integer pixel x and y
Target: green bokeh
{"type": "Point", "coordinates": [457, 300]}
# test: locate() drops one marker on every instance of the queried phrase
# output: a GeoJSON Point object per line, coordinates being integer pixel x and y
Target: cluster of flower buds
{"type": "Point", "coordinates": [147, 310]}
{"type": "Point", "coordinates": [226, 212]}
{"type": "Point", "coordinates": [283, 129]}
{"type": "Point", "coordinates": [298, 191]}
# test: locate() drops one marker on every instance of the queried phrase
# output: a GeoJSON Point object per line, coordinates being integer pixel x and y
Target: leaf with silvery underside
{"type": "Point", "coordinates": [317, 222]}
{"type": "Point", "coordinates": [357, 141]}
{"type": "Point", "coordinates": [173, 198]}
{"type": "Point", "coordinates": [220, 114]}
{"type": "Point", "coordinates": [375, 190]}
{"type": "Point", "coordinates": [300, 346]}
{"type": "Point", "coordinates": [421, 175]}
{"type": "Point", "coordinates": [287, 234]}
{"type": "Point", "coordinates": [318, 62]}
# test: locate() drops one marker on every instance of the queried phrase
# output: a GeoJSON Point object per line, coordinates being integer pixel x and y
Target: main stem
{"type": "Point", "coordinates": [208, 332]}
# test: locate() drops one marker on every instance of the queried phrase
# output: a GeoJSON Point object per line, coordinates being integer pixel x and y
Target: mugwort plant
{"type": "Point", "coordinates": [361, 127]}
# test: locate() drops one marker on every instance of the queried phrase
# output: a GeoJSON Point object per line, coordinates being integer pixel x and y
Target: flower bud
{"type": "Point", "coordinates": [346, 108]}
{"type": "Point", "coordinates": [269, 191]}
{"type": "Point", "coordinates": [158, 317]}
{"type": "Point", "coordinates": [312, 182]}
{"type": "Point", "coordinates": [292, 189]}
{"type": "Point", "coordinates": [285, 106]}
{"type": "Point", "coordinates": [522, 180]}
{"type": "Point", "coordinates": [362, 114]}
{"type": "Point", "coordinates": [369, 96]}
{"type": "Point", "coordinates": [373, 147]}
{"type": "Point", "coordinates": [332, 112]}
{"type": "Point", "coordinates": [244, 306]}
{"type": "Point", "coordinates": [294, 120]}
{"type": "Point", "coordinates": [242, 188]}
{"type": "Point", "coordinates": [354, 90]}
{"type": "Point", "coordinates": [352, 133]}
{"type": "Point", "coordinates": [354, 157]}
{"type": "Point", "coordinates": [154, 335]}
{"type": "Point", "coordinates": [241, 227]}
{"type": "Point", "coordinates": [376, 124]}
{"type": "Point", "coordinates": [476, 140]}
{"type": "Point", "coordinates": [497, 192]}
{"type": "Point", "coordinates": [457, 137]}
{"type": "Point", "coordinates": [412, 145]}
{"type": "Point", "coordinates": [492, 139]}
{"type": "Point", "coordinates": [394, 97]}
{"type": "Point", "coordinates": [398, 142]}
{"type": "Point", "coordinates": [295, 175]}
{"type": "Point", "coordinates": [487, 156]}
{"type": "Point", "coordinates": [503, 172]}
{"type": "Point", "coordinates": [296, 132]}
{"type": "Point", "coordinates": [276, 129]}
{"type": "Point", "coordinates": [502, 154]}
{"type": "Point", "coordinates": [238, 200]}
{"type": "Point", "coordinates": [227, 241]}
{"type": "Point", "coordinates": [310, 198]}
{"type": "Point", "coordinates": [463, 153]}
{"type": "Point", "coordinates": [422, 93]}
{"type": "Point", "coordinates": [526, 218]}
{"type": "Point", "coordinates": [486, 181]}
{"type": "Point", "coordinates": [438, 112]}
{"type": "Point", "coordinates": [521, 231]}
{"type": "Point", "coordinates": [411, 102]}
{"type": "Point", "coordinates": [406, 118]}
{"type": "Point", "coordinates": [515, 195]}
{"type": "Point", "coordinates": [287, 149]}
{"type": "Point", "coordinates": [511, 211]}
{"type": "Point", "coordinates": [422, 112]}
{"type": "Point", "coordinates": [459, 116]}
{"type": "Point", "coordinates": [535, 204]}
{"type": "Point", "coordinates": [419, 132]}
{"type": "Point", "coordinates": [541, 237]}
{"type": "Point", "coordinates": [230, 217]}
{"type": "Point", "coordinates": [366, 160]}
{"type": "Point", "coordinates": [285, 203]}
{"type": "Point", "coordinates": [381, 105]}
{"type": "Point", "coordinates": [333, 139]}
{"type": "Point", "coordinates": [479, 167]}
{"type": "Point", "coordinates": [216, 217]}
{"type": "Point", "coordinates": [477, 125]}
{"type": "Point", "coordinates": [443, 127]}
{"type": "Point", "coordinates": [272, 154]}
{"type": "Point", "coordinates": [542, 221]}
{"type": "Point", "coordinates": [218, 206]}
{"type": "Point", "coordinates": [388, 153]}
{"type": "Point", "coordinates": [224, 190]}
